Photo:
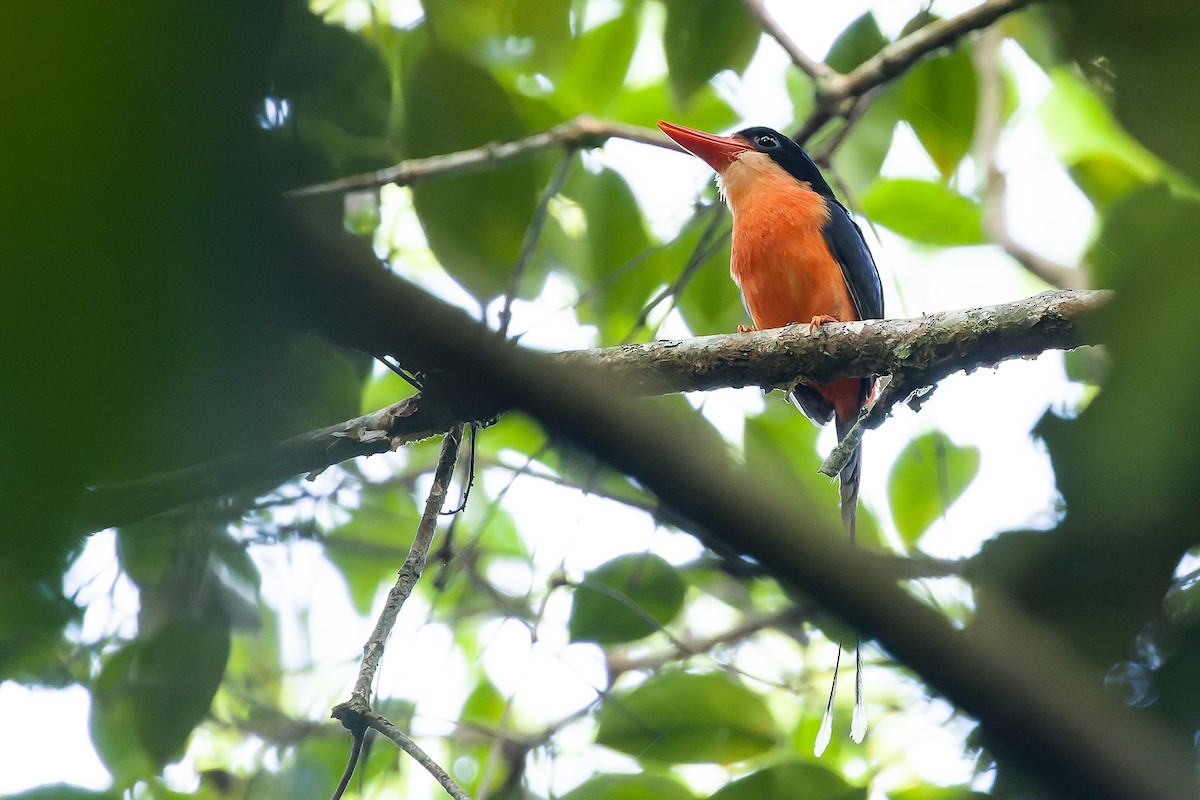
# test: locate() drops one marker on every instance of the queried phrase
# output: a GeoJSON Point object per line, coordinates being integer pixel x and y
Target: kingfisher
{"type": "Point", "coordinates": [798, 256]}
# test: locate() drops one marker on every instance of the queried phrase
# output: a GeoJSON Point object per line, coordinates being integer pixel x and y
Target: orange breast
{"type": "Point", "coordinates": [781, 261]}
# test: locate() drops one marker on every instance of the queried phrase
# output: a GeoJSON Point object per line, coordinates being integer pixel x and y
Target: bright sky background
{"type": "Point", "coordinates": [993, 409]}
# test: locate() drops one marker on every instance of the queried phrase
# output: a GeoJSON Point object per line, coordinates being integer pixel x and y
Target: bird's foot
{"type": "Point", "coordinates": [746, 329]}
{"type": "Point", "coordinates": [820, 320]}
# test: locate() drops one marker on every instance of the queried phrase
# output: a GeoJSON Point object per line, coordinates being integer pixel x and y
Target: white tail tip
{"type": "Point", "coordinates": [858, 723]}
{"type": "Point", "coordinates": [824, 734]}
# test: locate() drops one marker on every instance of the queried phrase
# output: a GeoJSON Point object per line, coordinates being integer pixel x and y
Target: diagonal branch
{"type": "Point", "coordinates": [925, 350]}
{"type": "Point", "coordinates": [837, 93]}
{"type": "Point", "coordinates": [582, 132]}
{"type": "Point", "coordinates": [356, 713]}
{"type": "Point", "coordinates": [817, 70]}
{"type": "Point", "coordinates": [1038, 705]}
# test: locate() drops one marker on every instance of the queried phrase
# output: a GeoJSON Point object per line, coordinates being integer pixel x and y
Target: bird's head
{"type": "Point", "coordinates": [749, 157]}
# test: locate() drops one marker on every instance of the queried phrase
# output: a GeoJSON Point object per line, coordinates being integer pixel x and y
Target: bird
{"type": "Point", "coordinates": [798, 256]}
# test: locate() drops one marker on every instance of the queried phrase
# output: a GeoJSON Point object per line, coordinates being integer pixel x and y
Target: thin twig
{"type": "Point", "coordinates": [618, 663]}
{"type": "Point", "coordinates": [356, 713]}
{"type": "Point", "coordinates": [532, 234]}
{"type": "Point", "coordinates": [411, 570]}
{"type": "Point", "coordinates": [990, 120]}
{"type": "Point", "coordinates": [581, 132]}
{"type": "Point", "coordinates": [816, 70]}
{"type": "Point", "coordinates": [383, 725]}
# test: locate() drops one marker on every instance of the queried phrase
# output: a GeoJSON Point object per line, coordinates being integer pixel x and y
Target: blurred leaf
{"type": "Point", "coordinates": [859, 41]}
{"type": "Point", "coordinates": [642, 786]}
{"type": "Point", "coordinates": [383, 390]}
{"type": "Point", "coordinates": [703, 37]}
{"type": "Point", "coordinates": [939, 99]}
{"type": "Point", "coordinates": [644, 105]}
{"type": "Point", "coordinates": [513, 38]}
{"type": "Point", "coordinates": [1080, 126]}
{"type": "Point", "coordinates": [611, 254]}
{"type": "Point", "coordinates": [859, 159]}
{"type": "Point", "coordinates": [1104, 179]}
{"type": "Point", "coordinates": [474, 223]}
{"type": "Point", "coordinates": [484, 706]}
{"type": "Point", "coordinates": [709, 302]}
{"type": "Point", "coordinates": [927, 477]}
{"type": "Point", "coordinates": [599, 62]}
{"type": "Point", "coordinates": [625, 599]}
{"type": "Point", "coordinates": [925, 212]}
{"type": "Point", "coordinates": [789, 780]}
{"type": "Point", "coordinates": [152, 693]}
{"type": "Point", "coordinates": [686, 718]}
{"type": "Point", "coordinates": [937, 793]}
{"type": "Point", "coordinates": [373, 544]}
{"type": "Point", "coordinates": [64, 791]}
{"type": "Point", "coordinates": [310, 769]}
{"type": "Point", "coordinates": [32, 617]}
{"type": "Point", "coordinates": [780, 446]}
{"type": "Point", "coordinates": [1035, 30]}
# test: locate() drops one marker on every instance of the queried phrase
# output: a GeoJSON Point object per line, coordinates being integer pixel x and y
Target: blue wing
{"type": "Point", "coordinates": [846, 242]}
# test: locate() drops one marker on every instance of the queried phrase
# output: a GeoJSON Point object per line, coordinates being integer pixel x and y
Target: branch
{"type": "Point", "coordinates": [582, 132]}
{"type": "Point", "coordinates": [410, 571]}
{"type": "Point", "coordinates": [618, 663]}
{"type": "Point", "coordinates": [1037, 704]}
{"type": "Point", "coordinates": [817, 70]}
{"type": "Point", "coordinates": [925, 349]}
{"type": "Point", "coordinates": [837, 94]}
{"type": "Point", "coordinates": [356, 713]}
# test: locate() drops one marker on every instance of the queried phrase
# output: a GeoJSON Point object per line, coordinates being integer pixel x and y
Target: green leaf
{"type": "Point", "coordinates": [1104, 160]}
{"type": "Point", "coordinates": [610, 254]}
{"type": "Point", "coordinates": [644, 105]}
{"type": "Point", "coordinates": [928, 476]}
{"type": "Point", "coordinates": [937, 793]}
{"type": "Point", "coordinates": [64, 791]}
{"type": "Point", "coordinates": [474, 223]}
{"type": "Point", "coordinates": [371, 546]}
{"type": "Point", "coordinates": [686, 718]}
{"type": "Point", "coordinates": [630, 787]}
{"type": "Point", "coordinates": [625, 599]}
{"type": "Point", "coordinates": [703, 37]}
{"type": "Point", "coordinates": [600, 59]}
{"type": "Point", "coordinates": [152, 693]}
{"type": "Point", "coordinates": [925, 212]}
{"type": "Point", "coordinates": [939, 99]}
{"type": "Point", "coordinates": [709, 301]}
{"type": "Point", "coordinates": [790, 780]}
{"type": "Point", "coordinates": [859, 41]}
{"type": "Point", "coordinates": [859, 158]}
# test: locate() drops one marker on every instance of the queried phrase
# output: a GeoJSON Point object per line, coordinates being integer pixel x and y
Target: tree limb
{"type": "Point", "coordinates": [818, 70]}
{"type": "Point", "coordinates": [582, 132]}
{"type": "Point", "coordinates": [837, 93]}
{"type": "Point", "coordinates": [1038, 704]}
{"type": "Point", "coordinates": [925, 349]}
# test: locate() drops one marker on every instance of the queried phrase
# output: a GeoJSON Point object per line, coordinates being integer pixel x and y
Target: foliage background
{"type": "Point", "coordinates": [152, 321]}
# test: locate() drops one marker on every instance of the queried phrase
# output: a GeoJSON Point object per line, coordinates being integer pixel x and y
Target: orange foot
{"type": "Point", "coordinates": [744, 329]}
{"type": "Point", "coordinates": [819, 320]}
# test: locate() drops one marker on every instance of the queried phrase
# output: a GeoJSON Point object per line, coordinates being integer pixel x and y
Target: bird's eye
{"type": "Point", "coordinates": [767, 140]}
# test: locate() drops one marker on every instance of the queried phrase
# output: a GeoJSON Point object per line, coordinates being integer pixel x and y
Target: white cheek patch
{"type": "Point", "coordinates": [749, 170]}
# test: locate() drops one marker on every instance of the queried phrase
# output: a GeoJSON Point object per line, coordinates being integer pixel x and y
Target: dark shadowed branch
{"type": "Point", "coordinates": [925, 350]}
